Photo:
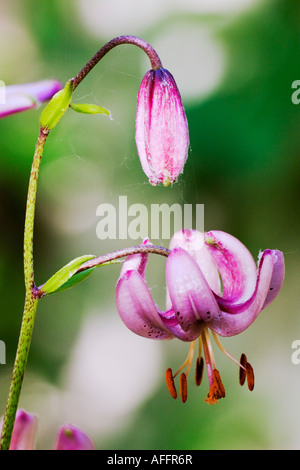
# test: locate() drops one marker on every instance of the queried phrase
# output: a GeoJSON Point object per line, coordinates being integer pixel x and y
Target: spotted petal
{"type": "Point", "coordinates": [137, 309]}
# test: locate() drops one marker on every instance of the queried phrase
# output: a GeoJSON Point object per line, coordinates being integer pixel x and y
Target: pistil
{"type": "Point", "coordinates": [216, 387]}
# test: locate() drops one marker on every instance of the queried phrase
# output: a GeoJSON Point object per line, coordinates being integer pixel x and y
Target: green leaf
{"type": "Point", "coordinates": [64, 276]}
{"type": "Point", "coordinates": [89, 109]}
{"type": "Point", "coordinates": [57, 107]}
{"type": "Point", "coordinates": [75, 279]}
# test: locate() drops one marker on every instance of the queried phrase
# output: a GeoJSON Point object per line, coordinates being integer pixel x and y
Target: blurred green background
{"type": "Point", "coordinates": [234, 62]}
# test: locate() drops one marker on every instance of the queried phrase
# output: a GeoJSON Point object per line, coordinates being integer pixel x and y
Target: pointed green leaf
{"type": "Point", "coordinates": [75, 279]}
{"type": "Point", "coordinates": [57, 107]}
{"type": "Point", "coordinates": [64, 275]}
{"type": "Point", "coordinates": [89, 109]}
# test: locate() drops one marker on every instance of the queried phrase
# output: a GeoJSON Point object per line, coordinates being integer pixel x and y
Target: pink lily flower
{"type": "Point", "coordinates": [162, 135]}
{"type": "Point", "coordinates": [68, 437]}
{"type": "Point", "coordinates": [213, 284]}
{"type": "Point", "coordinates": [26, 96]}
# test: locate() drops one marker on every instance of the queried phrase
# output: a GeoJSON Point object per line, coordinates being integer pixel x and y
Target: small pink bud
{"type": "Point", "coordinates": [23, 435]}
{"type": "Point", "coordinates": [72, 438]}
{"type": "Point", "coordinates": [162, 135]}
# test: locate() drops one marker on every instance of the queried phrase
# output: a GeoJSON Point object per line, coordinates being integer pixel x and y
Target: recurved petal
{"type": "Point", "coordinates": [22, 97]}
{"type": "Point", "coordinates": [277, 277]}
{"type": "Point", "coordinates": [236, 266]}
{"type": "Point", "coordinates": [15, 104]}
{"type": "Point", "coordinates": [191, 297]}
{"type": "Point", "coordinates": [41, 90]}
{"type": "Point", "coordinates": [137, 262]}
{"type": "Point", "coordinates": [239, 317]}
{"type": "Point", "coordinates": [137, 309]}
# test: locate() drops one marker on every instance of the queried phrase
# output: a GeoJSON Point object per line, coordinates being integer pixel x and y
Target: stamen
{"type": "Point", "coordinates": [242, 371]}
{"type": "Point", "coordinates": [218, 342]}
{"type": "Point", "coordinates": [199, 370]}
{"type": "Point", "coordinates": [170, 383]}
{"type": "Point", "coordinates": [188, 361]}
{"type": "Point", "coordinates": [216, 390]}
{"type": "Point", "coordinates": [183, 382]}
{"type": "Point", "coordinates": [208, 354]}
{"type": "Point", "coordinates": [183, 387]}
{"type": "Point", "coordinates": [250, 376]}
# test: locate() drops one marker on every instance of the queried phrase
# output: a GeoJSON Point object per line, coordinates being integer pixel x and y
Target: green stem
{"type": "Point", "coordinates": [31, 301]}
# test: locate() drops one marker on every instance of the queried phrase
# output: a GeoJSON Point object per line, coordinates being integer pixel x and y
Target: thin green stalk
{"type": "Point", "coordinates": [31, 301]}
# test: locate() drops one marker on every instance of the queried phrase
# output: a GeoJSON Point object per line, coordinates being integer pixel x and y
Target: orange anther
{"type": "Point", "coordinates": [216, 390]}
{"type": "Point", "coordinates": [170, 383]}
{"type": "Point", "coordinates": [183, 387]}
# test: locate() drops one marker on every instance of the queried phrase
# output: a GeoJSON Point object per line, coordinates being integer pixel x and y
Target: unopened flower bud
{"type": "Point", "coordinates": [162, 135]}
{"type": "Point", "coordinates": [72, 438]}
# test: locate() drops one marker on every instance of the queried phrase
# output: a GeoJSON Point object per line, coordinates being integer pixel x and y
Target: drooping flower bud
{"type": "Point", "coordinates": [161, 133]}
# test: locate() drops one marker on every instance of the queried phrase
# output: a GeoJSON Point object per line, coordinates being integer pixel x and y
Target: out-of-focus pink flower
{"type": "Point", "coordinates": [162, 135]}
{"type": "Point", "coordinates": [23, 436]}
{"type": "Point", "coordinates": [17, 98]}
{"type": "Point", "coordinates": [69, 437]}
{"type": "Point", "coordinates": [213, 284]}
{"type": "Point", "coordinates": [72, 438]}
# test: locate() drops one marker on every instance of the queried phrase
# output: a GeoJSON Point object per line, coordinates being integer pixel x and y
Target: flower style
{"type": "Point", "coordinates": [212, 283]}
{"type": "Point", "coordinates": [68, 437]}
{"type": "Point", "coordinates": [19, 98]}
{"type": "Point", "coordinates": [162, 135]}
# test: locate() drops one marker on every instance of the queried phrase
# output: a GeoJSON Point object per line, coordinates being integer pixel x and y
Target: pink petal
{"type": "Point", "coordinates": [24, 431]}
{"type": "Point", "coordinates": [190, 295]}
{"type": "Point", "coordinates": [15, 104]}
{"type": "Point", "coordinates": [72, 438]}
{"type": "Point", "coordinates": [137, 309]}
{"type": "Point", "coordinates": [41, 90]}
{"type": "Point", "coordinates": [277, 277]}
{"type": "Point", "coordinates": [240, 316]}
{"type": "Point", "coordinates": [192, 241]}
{"type": "Point", "coordinates": [137, 262]}
{"type": "Point", "coordinates": [28, 95]}
{"type": "Point", "coordinates": [170, 320]}
{"type": "Point", "coordinates": [236, 266]}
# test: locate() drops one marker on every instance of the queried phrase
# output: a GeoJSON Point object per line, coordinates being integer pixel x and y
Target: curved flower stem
{"type": "Point", "coordinates": [154, 58]}
{"type": "Point", "coordinates": [99, 260]}
{"type": "Point", "coordinates": [30, 301]}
